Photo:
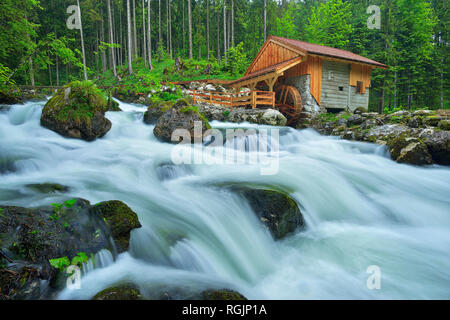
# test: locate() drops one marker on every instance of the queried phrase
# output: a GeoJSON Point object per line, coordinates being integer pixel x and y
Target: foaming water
{"type": "Point", "coordinates": [361, 209]}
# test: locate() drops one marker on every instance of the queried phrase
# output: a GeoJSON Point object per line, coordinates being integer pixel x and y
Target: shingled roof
{"type": "Point", "coordinates": [325, 51]}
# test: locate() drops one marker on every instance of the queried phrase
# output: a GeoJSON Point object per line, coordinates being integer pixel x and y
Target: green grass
{"type": "Point", "coordinates": [143, 81]}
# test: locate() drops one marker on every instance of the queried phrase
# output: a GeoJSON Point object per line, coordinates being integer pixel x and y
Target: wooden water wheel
{"type": "Point", "coordinates": [289, 102]}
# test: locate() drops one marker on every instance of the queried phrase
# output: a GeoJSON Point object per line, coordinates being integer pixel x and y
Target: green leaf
{"type": "Point", "coordinates": [60, 263]}
{"type": "Point", "coordinates": [70, 203]}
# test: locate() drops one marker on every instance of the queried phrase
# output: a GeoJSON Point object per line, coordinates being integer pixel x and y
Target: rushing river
{"type": "Point", "coordinates": [361, 209]}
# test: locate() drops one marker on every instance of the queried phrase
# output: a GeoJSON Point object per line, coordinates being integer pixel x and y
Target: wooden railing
{"type": "Point", "coordinates": [249, 98]}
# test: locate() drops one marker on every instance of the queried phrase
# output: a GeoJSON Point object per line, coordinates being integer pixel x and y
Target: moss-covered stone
{"type": "Point", "coordinates": [124, 292]}
{"type": "Point", "coordinates": [407, 149]}
{"type": "Point", "coordinates": [182, 115]}
{"type": "Point", "coordinates": [120, 219]}
{"type": "Point", "coordinates": [222, 295]}
{"type": "Point", "coordinates": [77, 111]}
{"type": "Point", "coordinates": [7, 97]}
{"type": "Point", "coordinates": [155, 111]}
{"type": "Point", "coordinates": [113, 105]}
{"type": "Point", "coordinates": [48, 187]}
{"type": "Point", "coordinates": [444, 125]}
{"type": "Point", "coordinates": [276, 210]}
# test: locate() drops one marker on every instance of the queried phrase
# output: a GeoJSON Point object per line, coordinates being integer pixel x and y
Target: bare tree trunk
{"type": "Point", "coordinates": [190, 28]}
{"type": "Point", "coordinates": [218, 31]}
{"type": "Point", "coordinates": [111, 39]}
{"type": "Point", "coordinates": [149, 30]}
{"type": "Point", "coordinates": [184, 29]}
{"type": "Point", "coordinates": [102, 39]}
{"type": "Point", "coordinates": [130, 49]}
{"type": "Point", "coordinates": [160, 32]}
{"type": "Point", "coordinates": [225, 28]}
{"type": "Point", "coordinates": [170, 30]}
{"type": "Point", "coordinates": [82, 42]}
{"type": "Point", "coordinates": [265, 20]}
{"type": "Point", "coordinates": [50, 72]}
{"type": "Point", "coordinates": [145, 33]}
{"type": "Point", "coordinates": [232, 23]}
{"type": "Point", "coordinates": [207, 29]}
{"type": "Point", "coordinates": [134, 30]}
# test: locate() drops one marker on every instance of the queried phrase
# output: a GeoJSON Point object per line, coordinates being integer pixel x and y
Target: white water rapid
{"type": "Point", "coordinates": [360, 207]}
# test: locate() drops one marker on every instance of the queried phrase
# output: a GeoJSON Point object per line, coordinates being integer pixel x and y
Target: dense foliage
{"type": "Point", "coordinates": [36, 47]}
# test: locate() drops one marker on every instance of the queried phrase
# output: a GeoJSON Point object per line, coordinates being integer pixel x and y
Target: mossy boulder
{"type": "Point", "coordinates": [31, 237]}
{"type": "Point", "coordinates": [222, 295]}
{"type": "Point", "coordinates": [124, 292]}
{"type": "Point", "coordinates": [155, 111]}
{"type": "Point", "coordinates": [444, 125]}
{"type": "Point", "coordinates": [276, 210]}
{"type": "Point", "coordinates": [182, 115]}
{"type": "Point", "coordinates": [48, 187]}
{"type": "Point", "coordinates": [407, 149]}
{"type": "Point", "coordinates": [120, 219]}
{"type": "Point", "coordinates": [438, 143]}
{"type": "Point", "coordinates": [77, 111]}
{"type": "Point", "coordinates": [113, 105]}
{"type": "Point", "coordinates": [8, 97]}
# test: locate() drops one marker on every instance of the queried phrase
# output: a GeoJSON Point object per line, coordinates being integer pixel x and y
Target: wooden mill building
{"type": "Point", "coordinates": [325, 77]}
{"type": "Point", "coordinates": [298, 76]}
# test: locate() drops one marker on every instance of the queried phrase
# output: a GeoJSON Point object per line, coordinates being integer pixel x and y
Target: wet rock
{"type": "Point", "coordinates": [155, 111]}
{"type": "Point", "coordinates": [342, 122]}
{"type": "Point", "coordinates": [415, 153]}
{"type": "Point", "coordinates": [31, 237]}
{"type": "Point", "coordinates": [438, 143]}
{"type": "Point", "coordinates": [273, 118]}
{"type": "Point", "coordinates": [277, 210]}
{"type": "Point", "coordinates": [120, 219]}
{"type": "Point", "coordinates": [222, 295]}
{"type": "Point", "coordinates": [124, 292]}
{"type": "Point", "coordinates": [48, 187]}
{"type": "Point", "coordinates": [407, 149]}
{"type": "Point", "coordinates": [9, 98]}
{"type": "Point", "coordinates": [113, 105]}
{"type": "Point", "coordinates": [355, 119]}
{"type": "Point", "coordinates": [444, 125]}
{"type": "Point", "coordinates": [432, 120]}
{"type": "Point", "coordinates": [20, 282]}
{"type": "Point", "coordinates": [77, 111]}
{"type": "Point", "coordinates": [360, 110]}
{"type": "Point", "coordinates": [182, 115]}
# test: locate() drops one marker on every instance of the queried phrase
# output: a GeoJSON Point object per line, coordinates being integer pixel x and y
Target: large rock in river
{"type": "Point", "coordinates": [277, 210]}
{"type": "Point", "coordinates": [182, 115]}
{"type": "Point", "coordinates": [31, 237]}
{"type": "Point", "coordinates": [77, 111]}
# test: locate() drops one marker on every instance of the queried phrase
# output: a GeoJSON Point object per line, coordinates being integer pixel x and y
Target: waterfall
{"type": "Point", "coordinates": [361, 209]}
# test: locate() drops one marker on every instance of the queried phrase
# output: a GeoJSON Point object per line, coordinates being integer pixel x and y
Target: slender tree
{"type": "Point", "coordinates": [265, 20]}
{"type": "Point", "coordinates": [190, 28]}
{"type": "Point", "coordinates": [111, 39]}
{"type": "Point", "coordinates": [207, 29]}
{"type": "Point", "coordinates": [134, 30]}
{"type": "Point", "coordinates": [144, 33]}
{"type": "Point", "coordinates": [149, 31]}
{"type": "Point", "coordinates": [130, 46]}
{"type": "Point", "coordinates": [224, 27]}
{"type": "Point", "coordinates": [82, 42]}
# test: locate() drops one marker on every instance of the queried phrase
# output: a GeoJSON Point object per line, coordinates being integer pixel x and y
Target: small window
{"type": "Point", "coordinates": [359, 87]}
{"type": "Point", "coordinates": [341, 88]}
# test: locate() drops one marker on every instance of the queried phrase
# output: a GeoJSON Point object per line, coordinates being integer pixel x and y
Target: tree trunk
{"type": "Point", "coordinates": [134, 30]}
{"type": "Point", "coordinates": [265, 20]}
{"type": "Point", "coordinates": [130, 49]}
{"type": "Point", "coordinates": [225, 28]}
{"type": "Point", "coordinates": [160, 32]}
{"type": "Point", "coordinates": [190, 28]}
{"type": "Point", "coordinates": [149, 30]}
{"type": "Point", "coordinates": [82, 42]}
{"type": "Point", "coordinates": [218, 31]}
{"type": "Point", "coordinates": [170, 31]}
{"type": "Point", "coordinates": [207, 29]}
{"type": "Point", "coordinates": [144, 33]}
{"type": "Point", "coordinates": [184, 29]}
{"type": "Point", "coordinates": [102, 39]}
{"type": "Point", "coordinates": [232, 23]}
{"type": "Point", "coordinates": [111, 39]}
